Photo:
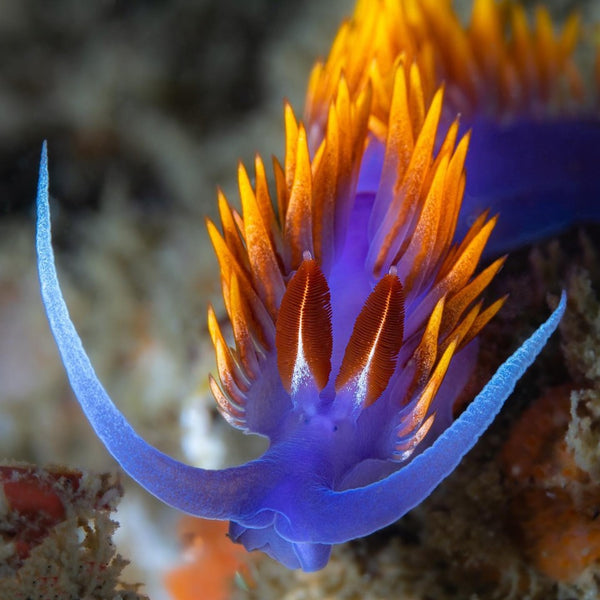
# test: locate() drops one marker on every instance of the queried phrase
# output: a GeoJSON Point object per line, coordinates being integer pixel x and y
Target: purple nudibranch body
{"type": "Point", "coordinates": [355, 303]}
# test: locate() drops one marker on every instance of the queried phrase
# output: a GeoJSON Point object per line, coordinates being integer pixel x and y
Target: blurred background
{"type": "Point", "coordinates": [147, 106]}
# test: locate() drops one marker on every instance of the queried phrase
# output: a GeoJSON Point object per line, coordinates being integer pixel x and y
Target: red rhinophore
{"type": "Point", "coordinates": [375, 342]}
{"type": "Point", "coordinates": [303, 331]}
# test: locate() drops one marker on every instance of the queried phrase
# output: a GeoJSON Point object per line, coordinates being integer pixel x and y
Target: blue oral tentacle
{"type": "Point", "coordinates": [193, 490]}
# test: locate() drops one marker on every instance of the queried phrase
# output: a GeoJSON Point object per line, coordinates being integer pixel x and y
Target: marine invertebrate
{"type": "Point", "coordinates": [355, 310]}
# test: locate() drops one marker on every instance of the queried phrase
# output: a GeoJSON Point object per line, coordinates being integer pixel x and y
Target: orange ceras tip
{"type": "Point", "coordinates": [523, 67]}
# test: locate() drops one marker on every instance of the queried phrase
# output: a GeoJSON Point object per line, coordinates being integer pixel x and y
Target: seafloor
{"type": "Point", "coordinates": [147, 106]}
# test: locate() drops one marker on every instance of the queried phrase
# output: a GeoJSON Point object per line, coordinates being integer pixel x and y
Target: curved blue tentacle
{"type": "Point", "coordinates": [326, 516]}
{"type": "Point", "coordinates": [211, 494]}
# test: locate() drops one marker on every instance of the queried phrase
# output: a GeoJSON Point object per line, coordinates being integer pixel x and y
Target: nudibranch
{"type": "Point", "coordinates": [352, 287]}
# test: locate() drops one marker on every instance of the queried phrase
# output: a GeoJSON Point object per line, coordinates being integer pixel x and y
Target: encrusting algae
{"type": "Point", "coordinates": [56, 535]}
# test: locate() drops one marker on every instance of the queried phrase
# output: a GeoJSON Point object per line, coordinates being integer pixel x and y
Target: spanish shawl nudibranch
{"type": "Point", "coordinates": [355, 304]}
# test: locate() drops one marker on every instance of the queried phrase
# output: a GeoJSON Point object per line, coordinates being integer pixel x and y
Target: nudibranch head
{"type": "Point", "coordinates": [349, 304]}
{"type": "Point", "coordinates": [351, 290]}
